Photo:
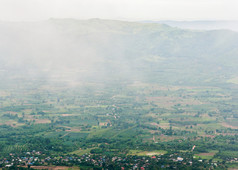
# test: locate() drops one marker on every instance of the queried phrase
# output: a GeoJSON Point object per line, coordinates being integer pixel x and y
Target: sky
{"type": "Point", "coordinates": [31, 10]}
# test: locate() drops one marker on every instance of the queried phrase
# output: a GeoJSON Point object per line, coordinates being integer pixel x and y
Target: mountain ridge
{"type": "Point", "coordinates": [105, 49]}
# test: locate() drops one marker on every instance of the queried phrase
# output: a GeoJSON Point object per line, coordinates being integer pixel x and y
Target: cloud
{"type": "Point", "coordinates": [118, 9]}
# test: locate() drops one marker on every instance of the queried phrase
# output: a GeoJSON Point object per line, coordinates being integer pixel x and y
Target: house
{"type": "Point", "coordinates": [179, 159]}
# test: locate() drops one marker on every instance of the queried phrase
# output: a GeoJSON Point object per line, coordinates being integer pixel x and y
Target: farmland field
{"type": "Point", "coordinates": [137, 123]}
{"type": "Point", "coordinates": [105, 94]}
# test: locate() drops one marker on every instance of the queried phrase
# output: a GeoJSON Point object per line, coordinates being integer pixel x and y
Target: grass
{"type": "Point", "coordinates": [97, 133]}
{"type": "Point", "coordinates": [124, 131]}
{"type": "Point", "coordinates": [147, 153]}
{"type": "Point", "coordinates": [208, 155]}
{"type": "Point", "coordinates": [233, 165]}
{"type": "Point", "coordinates": [233, 80]}
{"type": "Point", "coordinates": [203, 156]}
{"type": "Point", "coordinates": [81, 152]}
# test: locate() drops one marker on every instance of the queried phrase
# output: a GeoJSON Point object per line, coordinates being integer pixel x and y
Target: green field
{"type": "Point", "coordinates": [146, 153]}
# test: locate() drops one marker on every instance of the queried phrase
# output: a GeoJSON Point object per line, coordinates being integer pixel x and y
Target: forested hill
{"type": "Point", "coordinates": [107, 50]}
{"type": "Point", "coordinates": [201, 25]}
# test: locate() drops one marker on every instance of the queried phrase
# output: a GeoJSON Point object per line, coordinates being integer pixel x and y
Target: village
{"type": "Point", "coordinates": [37, 160]}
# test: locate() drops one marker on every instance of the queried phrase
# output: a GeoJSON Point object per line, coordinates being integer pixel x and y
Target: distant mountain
{"type": "Point", "coordinates": [201, 25]}
{"type": "Point", "coordinates": [108, 50]}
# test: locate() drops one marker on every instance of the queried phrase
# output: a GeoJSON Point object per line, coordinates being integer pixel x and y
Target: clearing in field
{"type": "Point", "coordinates": [147, 153]}
{"type": "Point", "coordinates": [208, 155]}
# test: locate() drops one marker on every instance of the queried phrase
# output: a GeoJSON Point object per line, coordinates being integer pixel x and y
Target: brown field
{"type": "Point", "coordinates": [103, 124]}
{"type": "Point", "coordinates": [27, 110]}
{"type": "Point", "coordinates": [11, 123]}
{"type": "Point", "coordinates": [164, 138]}
{"type": "Point", "coordinates": [171, 101]}
{"type": "Point", "coordinates": [162, 125]}
{"type": "Point", "coordinates": [12, 113]}
{"type": "Point", "coordinates": [73, 130]}
{"type": "Point", "coordinates": [165, 88]}
{"type": "Point", "coordinates": [52, 167]}
{"type": "Point", "coordinates": [4, 93]}
{"type": "Point", "coordinates": [206, 154]}
{"type": "Point", "coordinates": [209, 136]}
{"type": "Point", "coordinates": [65, 115]}
{"type": "Point", "coordinates": [229, 126]}
{"type": "Point", "coordinates": [40, 121]}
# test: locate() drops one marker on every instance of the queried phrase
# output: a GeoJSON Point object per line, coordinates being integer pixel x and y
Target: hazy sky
{"type": "Point", "coordinates": [25, 10]}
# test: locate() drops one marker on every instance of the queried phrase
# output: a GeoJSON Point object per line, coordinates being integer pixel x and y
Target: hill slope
{"type": "Point", "coordinates": [106, 50]}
